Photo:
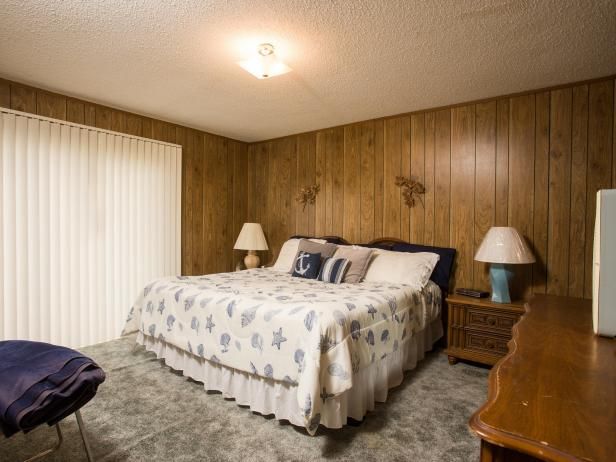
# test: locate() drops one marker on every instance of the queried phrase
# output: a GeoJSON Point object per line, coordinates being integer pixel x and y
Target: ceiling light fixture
{"type": "Point", "coordinates": [265, 64]}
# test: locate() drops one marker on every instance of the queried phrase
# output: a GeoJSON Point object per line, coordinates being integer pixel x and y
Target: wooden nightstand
{"type": "Point", "coordinates": [478, 329]}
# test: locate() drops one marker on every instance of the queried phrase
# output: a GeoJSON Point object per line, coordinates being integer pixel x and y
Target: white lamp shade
{"type": "Point", "coordinates": [251, 238]}
{"type": "Point", "coordinates": [504, 245]}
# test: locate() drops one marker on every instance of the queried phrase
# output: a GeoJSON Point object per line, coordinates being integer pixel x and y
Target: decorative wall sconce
{"type": "Point", "coordinates": [411, 190]}
{"type": "Point", "coordinates": [307, 195]}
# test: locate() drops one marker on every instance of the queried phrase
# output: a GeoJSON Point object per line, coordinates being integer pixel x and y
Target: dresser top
{"type": "Point", "coordinates": [553, 395]}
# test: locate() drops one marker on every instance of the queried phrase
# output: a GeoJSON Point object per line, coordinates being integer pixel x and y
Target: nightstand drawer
{"type": "Point", "coordinates": [490, 320]}
{"type": "Point", "coordinates": [479, 329]}
{"type": "Point", "coordinates": [490, 344]}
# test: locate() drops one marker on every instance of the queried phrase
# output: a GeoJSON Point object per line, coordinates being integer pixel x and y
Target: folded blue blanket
{"type": "Point", "coordinates": [43, 383]}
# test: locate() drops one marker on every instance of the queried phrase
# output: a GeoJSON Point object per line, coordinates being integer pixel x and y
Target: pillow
{"type": "Point", "coordinates": [306, 245]}
{"type": "Point", "coordinates": [359, 259]}
{"type": "Point", "coordinates": [333, 269]}
{"type": "Point", "coordinates": [442, 271]}
{"type": "Point", "coordinates": [287, 255]}
{"type": "Point", "coordinates": [413, 269]}
{"type": "Point", "coordinates": [307, 265]}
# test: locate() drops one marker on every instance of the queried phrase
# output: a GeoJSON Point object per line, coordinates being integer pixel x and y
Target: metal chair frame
{"type": "Point", "coordinates": [54, 448]}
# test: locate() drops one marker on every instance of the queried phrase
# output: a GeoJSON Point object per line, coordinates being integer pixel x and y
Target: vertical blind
{"type": "Point", "coordinates": [87, 218]}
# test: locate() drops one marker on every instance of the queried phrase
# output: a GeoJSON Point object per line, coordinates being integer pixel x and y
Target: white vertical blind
{"type": "Point", "coordinates": [87, 218]}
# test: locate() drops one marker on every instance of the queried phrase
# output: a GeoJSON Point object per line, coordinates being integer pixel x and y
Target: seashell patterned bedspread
{"type": "Point", "coordinates": [309, 334]}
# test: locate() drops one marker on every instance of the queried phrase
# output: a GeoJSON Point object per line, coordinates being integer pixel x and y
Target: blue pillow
{"type": "Point", "coordinates": [306, 265]}
{"type": "Point", "coordinates": [333, 269]}
{"type": "Point", "coordinates": [442, 271]}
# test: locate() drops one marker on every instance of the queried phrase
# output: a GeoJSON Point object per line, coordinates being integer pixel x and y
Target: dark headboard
{"type": "Point", "coordinates": [331, 239]}
{"type": "Point", "coordinates": [442, 272]}
{"type": "Point", "coordinates": [386, 243]}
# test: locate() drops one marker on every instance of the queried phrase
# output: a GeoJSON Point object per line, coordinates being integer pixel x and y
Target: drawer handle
{"type": "Point", "coordinates": [490, 344]}
{"type": "Point", "coordinates": [492, 321]}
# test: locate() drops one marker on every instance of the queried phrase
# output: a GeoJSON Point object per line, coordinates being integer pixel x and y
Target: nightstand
{"type": "Point", "coordinates": [478, 329]}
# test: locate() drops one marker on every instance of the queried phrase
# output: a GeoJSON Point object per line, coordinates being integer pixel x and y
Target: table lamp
{"type": "Point", "coordinates": [251, 238]}
{"type": "Point", "coordinates": [503, 246]}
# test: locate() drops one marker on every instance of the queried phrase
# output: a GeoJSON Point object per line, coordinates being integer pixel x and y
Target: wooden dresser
{"type": "Point", "coordinates": [478, 329]}
{"type": "Point", "coordinates": [553, 396]}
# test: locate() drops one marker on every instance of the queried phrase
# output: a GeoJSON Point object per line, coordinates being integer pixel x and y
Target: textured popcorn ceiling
{"type": "Point", "coordinates": [351, 60]}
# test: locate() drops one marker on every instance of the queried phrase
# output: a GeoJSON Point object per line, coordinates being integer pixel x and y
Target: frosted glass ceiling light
{"type": "Point", "coordinates": [265, 64]}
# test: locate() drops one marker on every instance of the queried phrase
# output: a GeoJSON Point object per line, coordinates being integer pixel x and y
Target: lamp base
{"type": "Point", "coordinates": [499, 277]}
{"type": "Point", "coordinates": [251, 260]}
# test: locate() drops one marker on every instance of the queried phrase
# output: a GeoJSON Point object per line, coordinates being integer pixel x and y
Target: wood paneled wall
{"type": "Point", "coordinates": [533, 161]}
{"type": "Point", "coordinates": [213, 171]}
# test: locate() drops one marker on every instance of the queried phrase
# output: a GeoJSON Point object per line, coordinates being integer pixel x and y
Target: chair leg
{"type": "Point", "coordinates": [40, 455]}
{"type": "Point", "coordinates": [83, 436]}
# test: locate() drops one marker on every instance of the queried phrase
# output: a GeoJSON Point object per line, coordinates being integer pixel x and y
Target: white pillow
{"type": "Point", "coordinates": [287, 254]}
{"type": "Point", "coordinates": [413, 269]}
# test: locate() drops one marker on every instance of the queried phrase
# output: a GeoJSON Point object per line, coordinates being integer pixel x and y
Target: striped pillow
{"type": "Point", "coordinates": [333, 269]}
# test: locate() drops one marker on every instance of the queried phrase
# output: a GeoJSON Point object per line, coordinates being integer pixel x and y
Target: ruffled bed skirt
{"type": "Point", "coordinates": [267, 396]}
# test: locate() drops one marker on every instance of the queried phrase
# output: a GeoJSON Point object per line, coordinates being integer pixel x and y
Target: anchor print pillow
{"type": "Point", "coordinates": [326, 250]}
{"type": "Point", "coordinates": [288, 252]}
{"type": "Point", "coordinates": [307, 265]}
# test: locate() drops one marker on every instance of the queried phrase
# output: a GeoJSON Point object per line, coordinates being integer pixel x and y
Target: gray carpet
{"type": "Point", "coordinates": [146, 412]}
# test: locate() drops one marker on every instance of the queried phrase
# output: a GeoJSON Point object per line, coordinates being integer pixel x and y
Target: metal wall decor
{"type": "Point", "coordinates": [307, 195]}
{"type": "Point", "coordinates": [411, 190]}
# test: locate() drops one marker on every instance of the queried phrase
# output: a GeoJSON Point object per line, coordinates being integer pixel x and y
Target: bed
{"type": "Point", "coordinates": [305, 351]}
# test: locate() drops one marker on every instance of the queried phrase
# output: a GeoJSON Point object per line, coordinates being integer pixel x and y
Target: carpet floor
{"type": "Point", "coordinates": [146, 412]}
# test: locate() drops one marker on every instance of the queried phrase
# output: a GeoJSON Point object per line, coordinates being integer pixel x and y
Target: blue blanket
{"type": "Point", "coordinates": [43, 383]}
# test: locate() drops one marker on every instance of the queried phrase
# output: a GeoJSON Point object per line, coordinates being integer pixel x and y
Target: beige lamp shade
{"type": "Point", "coordinates": [251, 238]}
{"type": "Point", "coordinates": [504, 245]}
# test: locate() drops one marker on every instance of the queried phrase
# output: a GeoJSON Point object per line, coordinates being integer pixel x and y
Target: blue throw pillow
{"type": "Point", "coordinates": [307, 265]}
{"type": "Point", "coordinates": [333, 270]}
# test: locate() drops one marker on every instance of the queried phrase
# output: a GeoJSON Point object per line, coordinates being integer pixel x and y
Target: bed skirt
{"type": "Point", "coordinates": [271, 397]}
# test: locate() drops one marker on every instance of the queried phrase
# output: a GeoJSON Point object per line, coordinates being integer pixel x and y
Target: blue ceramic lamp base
{"type": "Point", "coordinates": [499, 277]}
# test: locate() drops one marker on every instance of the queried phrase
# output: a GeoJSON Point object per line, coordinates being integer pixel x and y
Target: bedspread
{"type": "Point", "coordinates": [309, 334]}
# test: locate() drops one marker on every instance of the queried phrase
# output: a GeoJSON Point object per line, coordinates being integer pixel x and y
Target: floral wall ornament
{"type": "Point", "coordinates": [411, 190]}
{"type": "Point", "coordinates": [307, 195]}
